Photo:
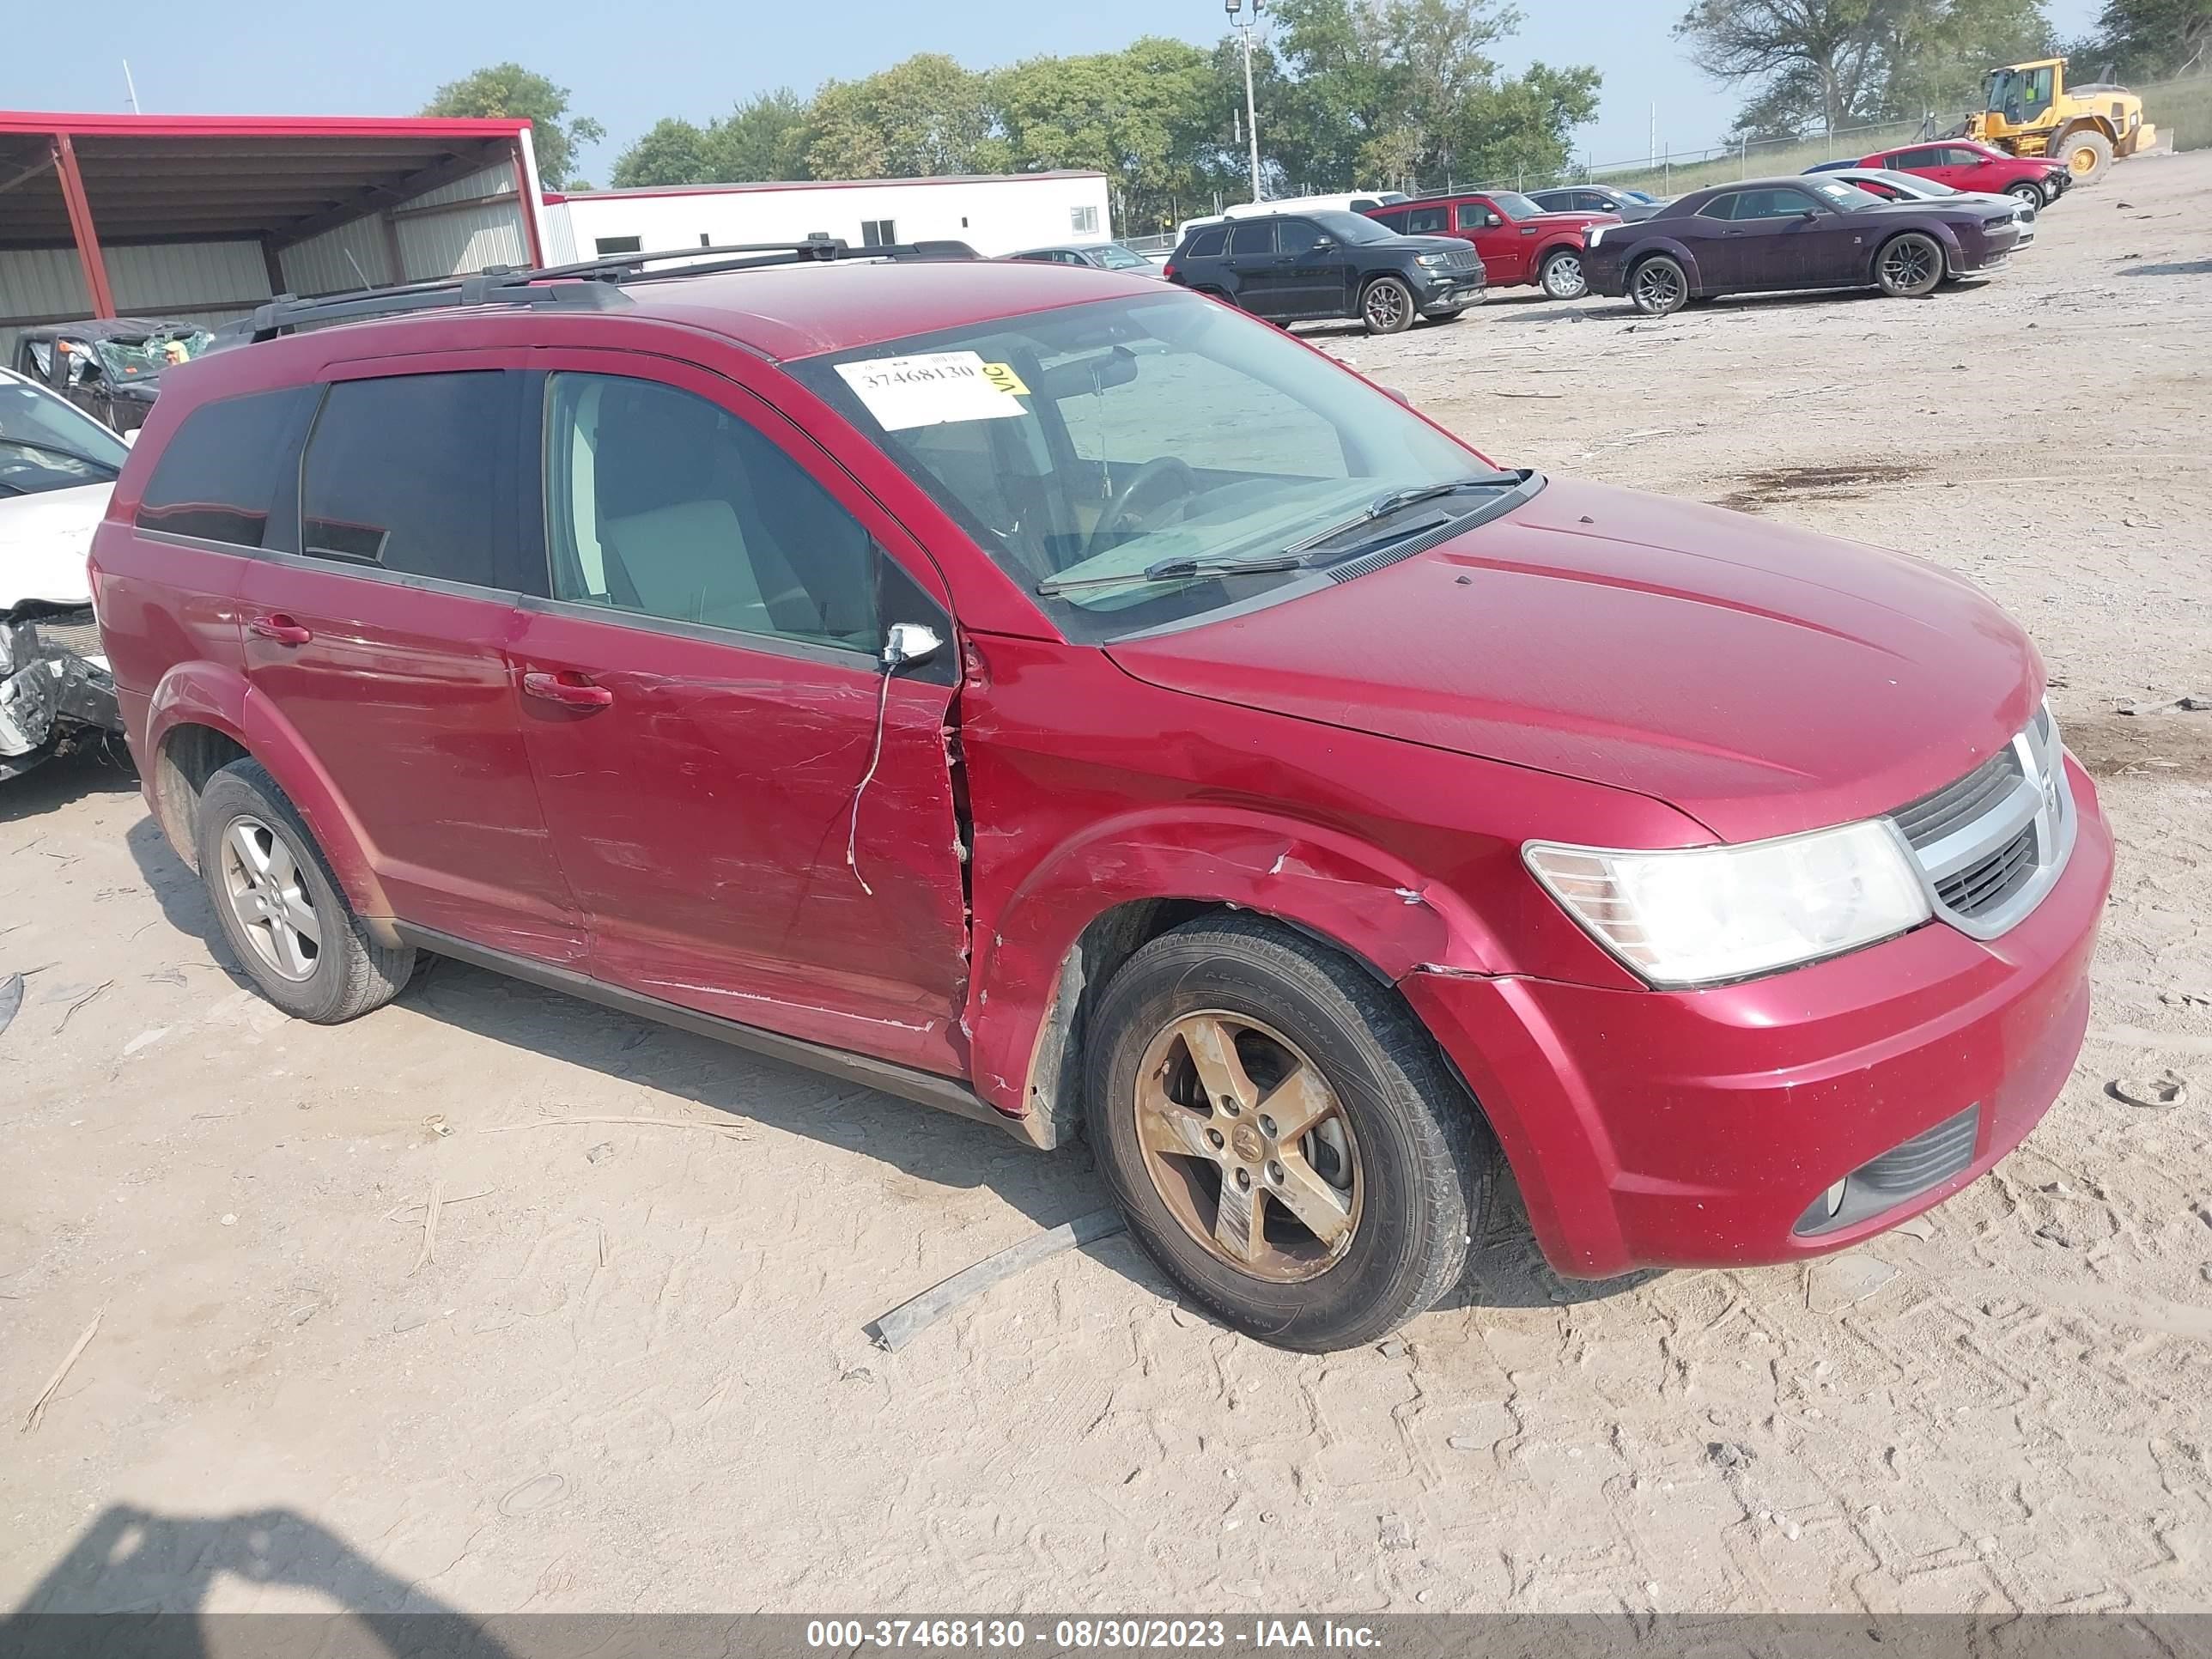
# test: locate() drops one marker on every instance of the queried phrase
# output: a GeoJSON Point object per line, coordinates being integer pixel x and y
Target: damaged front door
{"type": "Point", "coordinates": [703, 698]}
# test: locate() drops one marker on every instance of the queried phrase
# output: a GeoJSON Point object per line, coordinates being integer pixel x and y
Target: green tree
{"type": "Point", "coordinates": [510, 92]}
{"type": "Point", "coordinates": [920, 117]}
{"type": "Point", "coordinates": [672, 152]}
{"type": "Point", "coordinates": [2149, 39]}
{"type": "Point", "coordinates": [764, 137]}
{"type": "Point", "coordinates": [1137, 115]}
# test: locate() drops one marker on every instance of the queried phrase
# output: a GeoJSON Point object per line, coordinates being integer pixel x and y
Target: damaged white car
{"type": "Point", "coordinates": [57, 467]}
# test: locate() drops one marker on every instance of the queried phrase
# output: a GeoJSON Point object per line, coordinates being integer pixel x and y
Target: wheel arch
{"type": "Point", "coordinates": [1945, 238]}
{"type": "Point", "coordinates": [1668, 248]}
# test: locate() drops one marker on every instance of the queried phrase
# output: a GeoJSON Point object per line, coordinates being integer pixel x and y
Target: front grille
{"type": "Point", "coordinates": [1983, 885]}
{"type": "Point", "coordinates": [1931, 817]}
{"type": "Point", "coordinates": [1992, 844]}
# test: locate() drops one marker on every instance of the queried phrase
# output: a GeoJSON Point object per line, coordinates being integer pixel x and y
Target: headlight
{"type": "Point", "coordinates": [1432, 260]}
{"type": "Point", "coordinates": [1710, 914]}
{"type": "Point", "coordinates": [1595, 231]}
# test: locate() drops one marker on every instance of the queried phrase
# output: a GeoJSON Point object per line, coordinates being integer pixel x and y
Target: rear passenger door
{"type": "Point", "coordinates": [1259, 285]}
{"type": "Point", "coordinates": [377, 632]}
{"type": "Point", "coordinates": [703, 705]}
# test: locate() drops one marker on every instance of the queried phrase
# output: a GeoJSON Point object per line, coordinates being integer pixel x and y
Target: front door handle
{"type": "Point", "coordinates": [280, 628]}
{"type": "Point", "coordinates": [568, 688]}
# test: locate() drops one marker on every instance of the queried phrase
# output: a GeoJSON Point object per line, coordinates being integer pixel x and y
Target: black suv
{"type": "Point", "coordinates": [1289, 267]}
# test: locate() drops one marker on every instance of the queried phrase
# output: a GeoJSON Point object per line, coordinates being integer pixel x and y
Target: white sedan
{"type": "Point", "coordinates": [1911, 186]}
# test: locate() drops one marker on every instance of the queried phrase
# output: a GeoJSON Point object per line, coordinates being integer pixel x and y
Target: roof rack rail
{"type": "Point", "coordinates": [585, 285]}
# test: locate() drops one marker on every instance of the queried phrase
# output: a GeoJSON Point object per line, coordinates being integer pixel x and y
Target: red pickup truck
{"type": "Point", "coordinates": [1519, 242]}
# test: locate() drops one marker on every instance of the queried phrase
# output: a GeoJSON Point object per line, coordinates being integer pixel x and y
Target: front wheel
{"type": "Point", "coordinates": [1387, 306]}
{"type": "Point", "coordinates": [1562, 275]}
{"type": "Point", "coordinates": [2029, 192]}
{"type": "Point", "coordinates": [1908, 266]}
{"type": "Point", "coordinates": [1282, 1135]}
{"type": "Point", "coordinates": [1660, 287]}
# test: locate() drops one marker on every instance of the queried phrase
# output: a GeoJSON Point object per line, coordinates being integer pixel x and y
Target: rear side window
{"type": "Point", "coordinates": [1207, 245]}
{"type": "Point", "coordinates": [219, 476]}
{"type": "Point", "coordinates": [1393, 220]}
{"type": "Point", "coordinates": [402, 473]}
{"type": "Point", "coordinates": [1423, 221]}
{"type": "Point", "coordinates": [1253, 238]}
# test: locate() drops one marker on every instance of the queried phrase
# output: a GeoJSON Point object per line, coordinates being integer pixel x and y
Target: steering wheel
{"type": "Point", "coordinates": [1153, 472]}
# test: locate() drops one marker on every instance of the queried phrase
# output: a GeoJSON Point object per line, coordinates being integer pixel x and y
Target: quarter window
{"type": "Point", "coordinates": [401, 473]}
{"type": "Point", "coordinates": [662, 504]}
{"type": "Point", "coordinates": [218, 477]}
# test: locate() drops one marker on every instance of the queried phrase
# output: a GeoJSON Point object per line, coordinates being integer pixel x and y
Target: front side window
{"type": "Point", "coordinates": [398, 475]}
{"type": "Point", "coordinates": [1081, 446]}
{"type": "Point", "coordinates": [218, 477]}
{"type": "Point", "coordinates": [48, 443]}
{"type": "Point", "coordinates": [1775, 204]}
{"type": "Point", "coordinates": [1296, 236]}
{"type": "Point", "coordinates": [661, 504]}
{"type": "Point", "coordinates": [1472, 216]}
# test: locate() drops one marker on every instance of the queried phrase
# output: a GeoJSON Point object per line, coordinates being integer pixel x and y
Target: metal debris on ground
{"type": "Point", "coordinates": [2169, 1088]}
{"type": "Point", "coordinates": [648, 1122]}
{"type": "Point", "coordinates": [437, 1203]}
{"type": "Point", "coordinates": [38, 1411]}
{"type": "Point", "coordinates": [904, 1322]}
{"type": "Point", "coordinates": [11, 1000]}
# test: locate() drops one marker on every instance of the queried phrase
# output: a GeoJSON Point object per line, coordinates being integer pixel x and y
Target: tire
{"type": "Point", "coordinates": [2029, 192]}
{"type": "Point", "coordinates": [1909, 266]}
{"type": "Point", "coordinates": [264, 875]}
{"type": "Point", "coordinates": [1385, 306]}
{"type": "Point", "coordinates": [1561, 276]}
{"type": "Point", "coordinates": [1659, 286]}
{"type": "Point", "coordinates": [1396, 1174]}
{"type": "Point", "coordinates": [2086, 153]}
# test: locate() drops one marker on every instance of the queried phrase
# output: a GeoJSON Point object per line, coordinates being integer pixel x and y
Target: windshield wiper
{"type": "Point", "coordinates": [57, 449]}
{"type": "Point", "coordinates": [1398, 500]}
{"type": "Point", "coordinates": [1176, 570]}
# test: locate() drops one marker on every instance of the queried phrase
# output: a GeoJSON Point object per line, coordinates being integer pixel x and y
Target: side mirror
{"type": "Point", "coordinates": [1393, 392]}
{"type": "Point", "coordinates": [1321, 244]}
{"type": "Point", "coordinates": [910, 643]}
{"type": "Point", "coordinates": [128, 438]}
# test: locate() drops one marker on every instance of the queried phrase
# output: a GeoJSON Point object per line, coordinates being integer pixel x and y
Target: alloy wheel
{"type": "Point", "coordinates": [1563, 278]}
{"type": "Point", "coordinates": [1658, 287]}
{"type": "Point", "coordinates": [1385, 307]}
{"type": "Point", "coordinates": [1908, 264]}
{"type": "Point", "coordinates": [269, 899]}
{"type": "Point", "coordinates": [1249, 1146]}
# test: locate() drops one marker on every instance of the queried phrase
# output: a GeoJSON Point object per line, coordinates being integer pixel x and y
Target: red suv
{"type": "Point", "coordinates": [1059, 699]}
{"type": "Point", "coordinates": [1519, 242]}
{"type": "Point", "coordinates": [1965, 164]}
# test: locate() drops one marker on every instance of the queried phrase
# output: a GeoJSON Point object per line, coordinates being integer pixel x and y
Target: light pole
{"type": "Point", "coordinates": [1244, 28]}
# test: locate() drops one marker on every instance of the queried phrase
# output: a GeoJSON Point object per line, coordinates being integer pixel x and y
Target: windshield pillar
{"type": "Point", "coordinates": [89, 257]}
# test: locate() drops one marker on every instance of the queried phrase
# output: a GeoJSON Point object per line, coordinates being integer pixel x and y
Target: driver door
{"type": "Point", "coordinates": [1314, 270]}
{"type": "Point", "coordinates": [702, 706]}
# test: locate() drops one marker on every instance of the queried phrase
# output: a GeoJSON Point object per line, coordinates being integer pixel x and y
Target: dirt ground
{"type": "Point", "coordinates": [632, 1375]}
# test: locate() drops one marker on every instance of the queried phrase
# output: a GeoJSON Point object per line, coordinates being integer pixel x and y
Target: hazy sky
{"type": "Point", "coordinates": [631, 64]}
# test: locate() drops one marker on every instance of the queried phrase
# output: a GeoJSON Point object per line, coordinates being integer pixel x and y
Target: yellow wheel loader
{"type": "Point", "coordinates": [2029, 109]}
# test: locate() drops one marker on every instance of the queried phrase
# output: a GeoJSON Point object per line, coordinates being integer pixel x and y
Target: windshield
{"type": "Point", "coordinates": [1086, 444]}
{"type": "Point", "coordinates": [1843, 198]}
{"type": "Point", "coordinates": [144, 360]}
{"type": "Point", "coordinates": [1115, 257]}
{"type": "Point", "coordinates": [2004, 87]}
{"type": "Point", "coordinates": [1354, 228]}
{"type": "Point", "coordinates": [1514, 206]}
{"type": "Point", "coordinates": [48, 443]}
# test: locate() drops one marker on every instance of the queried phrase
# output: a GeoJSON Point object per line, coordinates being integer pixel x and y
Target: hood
{"type": "Point", "coordinates": [1574, 218]}
{"type": "Point", "coordinates": [1762, 679]}
{"type": "Point", "coordinates": [44, 541]}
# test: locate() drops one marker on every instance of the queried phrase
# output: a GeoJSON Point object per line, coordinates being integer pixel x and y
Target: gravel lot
{"type": "Point", "coordinates": [632, 1373]}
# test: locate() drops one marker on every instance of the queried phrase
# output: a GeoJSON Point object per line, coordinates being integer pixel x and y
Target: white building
{"type": "Point", "coordinates": [993, 213]}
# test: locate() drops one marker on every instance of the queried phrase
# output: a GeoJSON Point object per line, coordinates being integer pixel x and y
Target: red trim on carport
{"type": "Point", "coordinates": [82, 227]}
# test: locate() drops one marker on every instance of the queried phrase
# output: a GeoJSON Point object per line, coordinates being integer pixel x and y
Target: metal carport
{"type": "Point", "coordinates": [203, 217]}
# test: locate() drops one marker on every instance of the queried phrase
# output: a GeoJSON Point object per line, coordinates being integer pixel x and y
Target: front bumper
{"type": "Point", "coordinates": [1704, 1129]}
{"type": "Point", "coordinates": [54, 685]}
{"type": "Point", "coordinates": [1449, 291]}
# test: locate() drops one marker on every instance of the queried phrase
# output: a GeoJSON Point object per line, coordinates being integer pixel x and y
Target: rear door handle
{"type": "Point", "coordinates": [280, 628]}
{"type": "Point", "coordinates": [568, 688]}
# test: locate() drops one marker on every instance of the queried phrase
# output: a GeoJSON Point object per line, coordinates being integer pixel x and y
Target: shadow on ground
{"type": "Point", "coordinates": [55, 783]}
{"type": "Point", "coordinates": [132, 1560]}
{"type": "Point", "coordinates": [1505, 1270]}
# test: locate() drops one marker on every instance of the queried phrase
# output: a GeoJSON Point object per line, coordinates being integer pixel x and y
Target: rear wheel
{"type": "Point", "coordinates": [1659, 286]}
{"type": "Point", "coordinates": [281, 911]}
{"type": "Point", "coordinates": [2086, 153]}
{"type": "Point", "coordinates": [1909, 265]}
{"type": "Point", "coordinates": [1282, 1135]}
{"type": "Point", "coordinates": [1385, 306]}
{"type": "Point", "coordinates": [1561, 276]}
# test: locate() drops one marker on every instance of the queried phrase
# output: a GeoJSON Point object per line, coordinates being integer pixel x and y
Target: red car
{"type": "Point", "coordinates": [1966, 164]}
{"type": "Point", "coordinates": [1056, 697]}
{"type": "Point", "coordinates": [1520, 243]}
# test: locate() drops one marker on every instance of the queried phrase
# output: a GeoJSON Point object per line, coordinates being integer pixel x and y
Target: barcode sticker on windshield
{"type": "Point", "coordinates": [930, 390]}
